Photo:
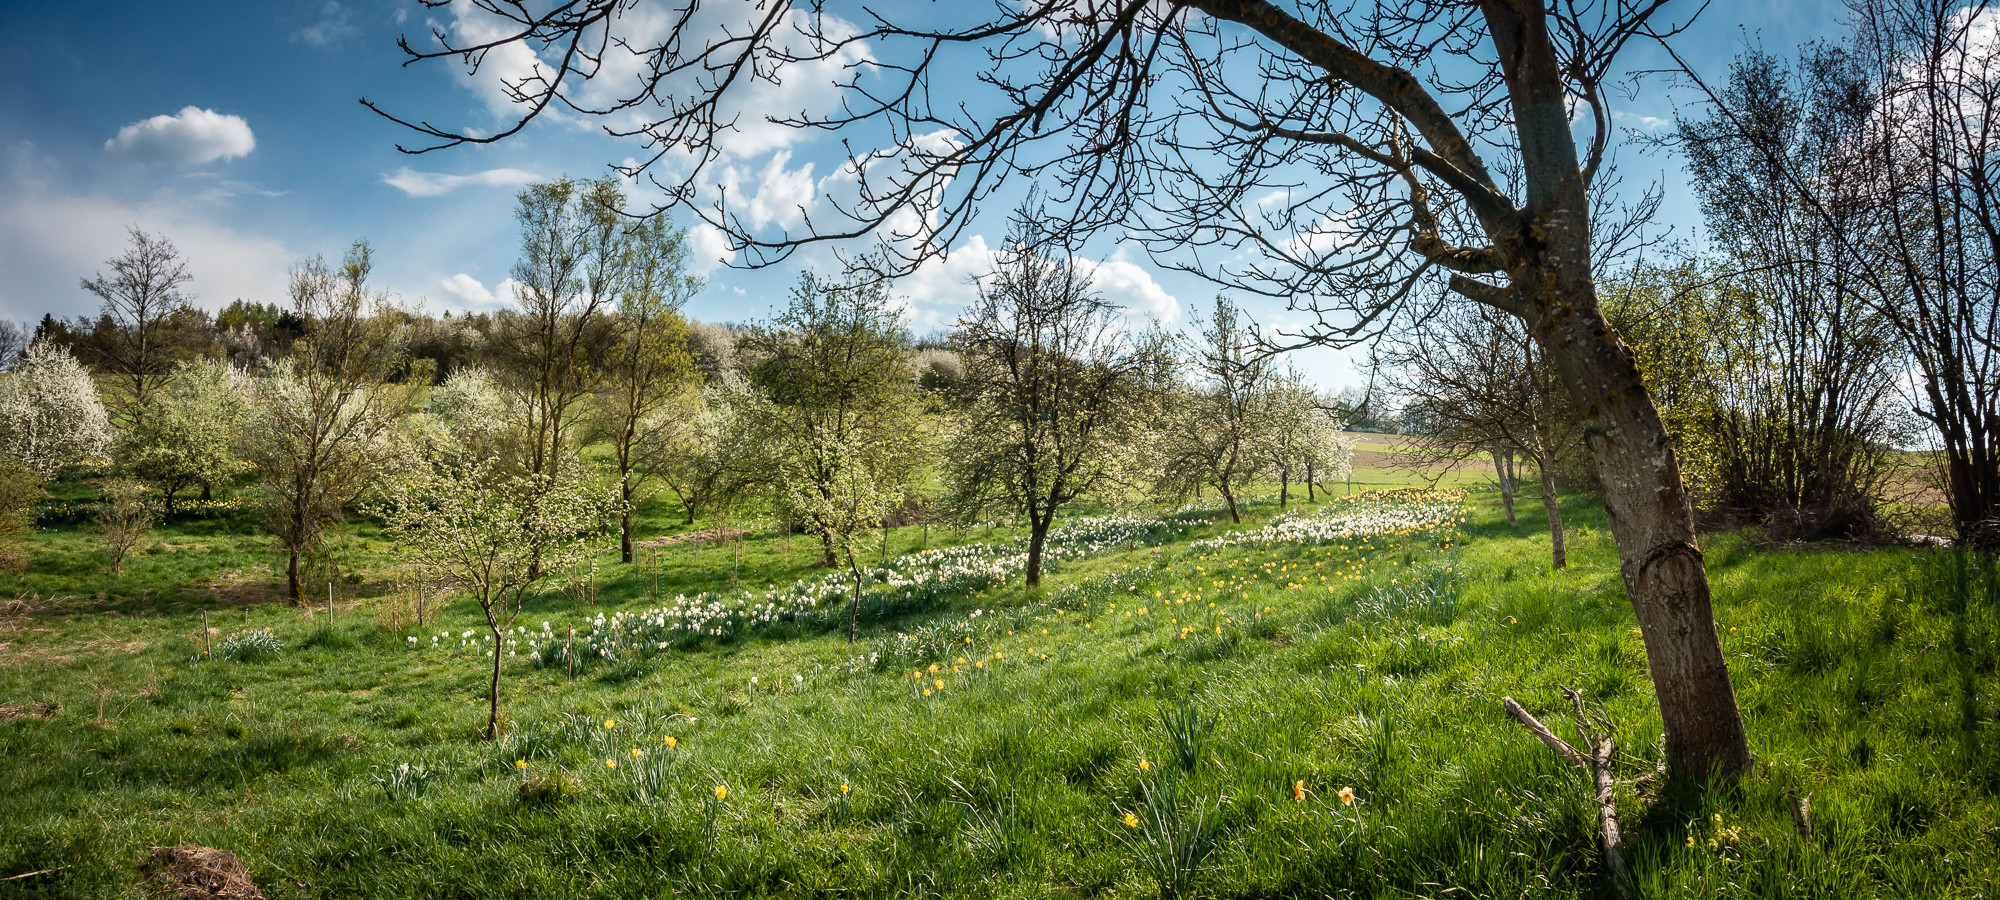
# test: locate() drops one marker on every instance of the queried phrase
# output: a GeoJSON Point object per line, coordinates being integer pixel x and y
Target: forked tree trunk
{"type": "Point", "coordinates": [1229, 497]}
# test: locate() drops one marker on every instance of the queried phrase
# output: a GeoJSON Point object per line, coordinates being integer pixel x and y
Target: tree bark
{"type": "Point", "coordinates": [625, 521]}
{"type": "Point", "coordinates": [1284, 489]}
{"type": "Point", "coordinates": [1506, 487]}
{"type": "Point", "coordinates": [1548, 263]}
{"type": "Point", "coordinates": [293, 578]}
{"type": "Point", "coordinates": [1229, 497]}
{"type": "Point", "coordinates": [1038, 537]}
{"type": "Point", "coordinates": [493, 687]}
{"type": "Point", "coordinates": [1558, 556]}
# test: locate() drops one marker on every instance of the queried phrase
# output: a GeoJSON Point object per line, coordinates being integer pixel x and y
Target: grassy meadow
{"type": "Point", "coordinates": [1211, 711]}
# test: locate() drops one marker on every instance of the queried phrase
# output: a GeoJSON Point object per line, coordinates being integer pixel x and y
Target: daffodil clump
{"type": "Point", "coordinates": [909, 583]}
{"type": "Point", "coordinates": [1389, 513]}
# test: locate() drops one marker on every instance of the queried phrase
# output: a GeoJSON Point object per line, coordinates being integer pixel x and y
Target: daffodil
{"type": "Point", "coordinates": [721, 792]}
{"type": "Point", "coordinates": [1131, 820]}
{"type": "Point", "coordinates": [520, 764]}
{"type": "Point", "coordinates": [1347, 796]}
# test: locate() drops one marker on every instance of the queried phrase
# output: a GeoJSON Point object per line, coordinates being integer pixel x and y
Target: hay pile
{"type": "Point", "coordinates": [201, 873]}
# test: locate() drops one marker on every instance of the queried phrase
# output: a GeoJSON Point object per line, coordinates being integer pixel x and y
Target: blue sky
{"type": "Point", "coordinates": [232, 127]}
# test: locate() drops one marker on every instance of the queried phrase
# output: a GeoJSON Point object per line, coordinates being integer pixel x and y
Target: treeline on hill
{"type": "Point", "coordinates": [465, 434]}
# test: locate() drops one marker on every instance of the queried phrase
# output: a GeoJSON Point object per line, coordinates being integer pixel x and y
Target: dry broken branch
{"type": "Point", "coordinates": [1599, 736]}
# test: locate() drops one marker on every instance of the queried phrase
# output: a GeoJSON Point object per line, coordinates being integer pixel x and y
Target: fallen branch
{"type": "Point", "coordinates": [1599, 736]}
{"type": "Point", "coordinates": [33, 874]}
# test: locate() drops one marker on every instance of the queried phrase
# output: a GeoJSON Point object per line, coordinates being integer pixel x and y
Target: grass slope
{"type": "Point", "coordinates": [1158, 720]}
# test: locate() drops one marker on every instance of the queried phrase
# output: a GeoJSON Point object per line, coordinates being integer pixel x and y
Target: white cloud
{"type": "Point", "coordinates": [1129, 285]}
{"type": "Point", "coordinates": [52, 236]}
{"type": "Point", "coordinates": [335, 23]}
{"type": "Point", "coordinates": [190, 137]}
{"type": "Point", "coordinates": [708, 249]}
{"type": "Point", "coordinates": [475, 294]}
{"type": "Point", "coordinates": [432, 184]}
{"type": "Point", "coordinates": [782, 196]}
{"type": "Point", "coordinates": [941, 289]}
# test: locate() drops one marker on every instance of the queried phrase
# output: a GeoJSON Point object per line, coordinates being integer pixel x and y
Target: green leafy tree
{"type": "Point", "coordinates": [834, 406]}
{"type": "Point", "coordinates": [649, 371]}
{"type": "Point", "coordinates": [189, 437]}
{"type": "Point", "coordinates": [487, 527]}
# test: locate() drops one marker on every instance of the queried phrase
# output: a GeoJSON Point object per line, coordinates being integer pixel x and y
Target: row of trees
{"type": "Point", "coordinates": [828, 415]}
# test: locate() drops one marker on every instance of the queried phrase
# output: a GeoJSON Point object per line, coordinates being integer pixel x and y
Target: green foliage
{"type": "Point", "coordinates": [1864, 675]}
{"type": "Point", "coordinates": [187, 437]}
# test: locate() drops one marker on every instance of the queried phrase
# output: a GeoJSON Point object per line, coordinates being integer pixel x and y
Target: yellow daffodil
{"type": "Point", "coordinates": [1131, 821]}
{"type": "Point", "coordinates": [670, 741]}
{"type": "Point", "coordinates": [721, 792]}
{"type": "Point", "coordinates": [1347, 796]}
{"type": "Point", "coordinates": [520, 764]}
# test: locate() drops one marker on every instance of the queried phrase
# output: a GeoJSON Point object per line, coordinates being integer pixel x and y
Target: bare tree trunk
{"type": "Point", "coordinates": [1652, 520]}
{"type": "Point", "coordinates": [1558, 556]}
{"type": "Point", "coordinates": [293, 577]}
{"type": "Point", "coordinates": [493, 687]}
{"type": "Point", "coordinates": [1284, 489]}
{"type": "Point", "coordinates": [1038, 537]}
{"type": "Point", "coordinates": [625, 521]}
{"type": "Point", "coordinates": [1229, 497]}
{"type": "Point", "coordinates": [1506, 486]}
{"type": "Point", "coordinates": [1309, 481]}
{"type": "Point", "coordinates": [1547, 260]}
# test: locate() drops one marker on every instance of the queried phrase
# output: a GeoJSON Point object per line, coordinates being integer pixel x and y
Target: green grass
{"type": "Point", "coordinates": [1867, 678]}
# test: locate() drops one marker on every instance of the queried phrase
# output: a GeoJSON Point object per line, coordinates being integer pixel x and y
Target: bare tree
{"type": "Point", "coordinates": [1881, 167]}
{"type": "Point", "coordinates": [1056, 390]}
{"type": "Point", "coordinates": [317, 421]}
{"type": "Point", "coordinates": [1216, 427]}
{"type": "Point", "coordinates": [14, 338]}
{"type": "Point", "coordinates": [1474, 383]}
{"type": "Point", "coordinates": [1327, 147]}
{"type": "Point", "coordinates": [147, 285]}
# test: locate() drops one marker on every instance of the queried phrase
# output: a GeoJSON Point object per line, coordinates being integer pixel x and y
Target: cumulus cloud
{"type": "Point", "coordinates": [1129, 285]}
{"type": "Point", "coordinates": [708, 249]}
{"type": "Point", "coordinates": [432, 184]}
{"type": "Point", "coordinates": [190, 137]}
{"type": "Point", "coordinates": [475, 294]}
